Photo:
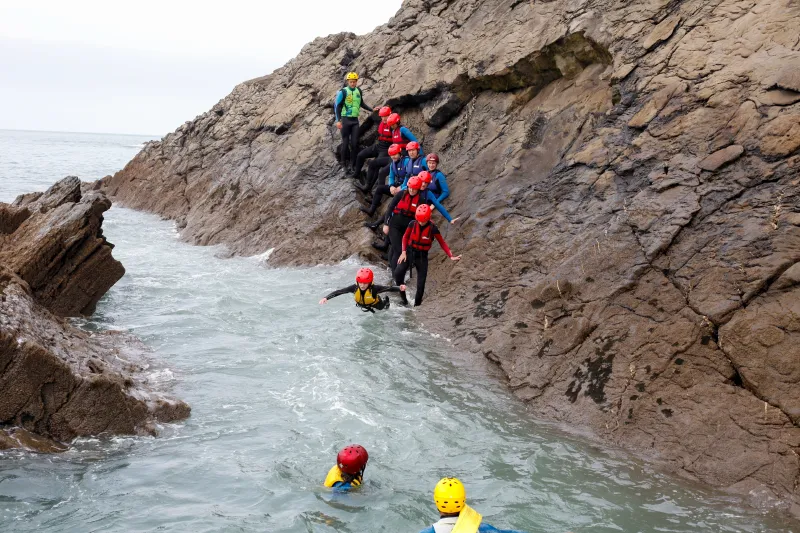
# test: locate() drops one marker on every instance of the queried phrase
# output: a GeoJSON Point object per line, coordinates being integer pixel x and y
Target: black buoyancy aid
{"type": "Point", "coordinates": [421, 237]}
{"type": "Point", "coordinates": [407, 206]}
{"type": "Point", "coordinates": [397, 138]}
{"type": "Point", "coordinates": [384, 135]}
{"type": "Point", "coordinates": [414, 167]}
{"type": "Point", "coordinates": [366, 298]}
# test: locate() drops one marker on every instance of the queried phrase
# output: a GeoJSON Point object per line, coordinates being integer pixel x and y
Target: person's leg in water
{"type": "Point", "coordinates": [421, 264]}
{"type": "Point", "coordinates": [363, 155]}
{"type": "Point", "coordinates": [400, 276]}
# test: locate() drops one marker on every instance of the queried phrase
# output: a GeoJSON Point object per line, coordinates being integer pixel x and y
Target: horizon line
{"type": "Point", "coordinates": [159, 136]}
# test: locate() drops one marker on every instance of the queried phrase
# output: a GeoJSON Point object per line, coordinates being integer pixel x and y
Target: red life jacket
{"type": "Point", "coordinates": [397, 138]}
{"type": "Point", "coordinates": [421, 238]}
{"type": "Point", "coordinates": [407, 206]}
{"type": "Point", "coordinates": [385, 137]}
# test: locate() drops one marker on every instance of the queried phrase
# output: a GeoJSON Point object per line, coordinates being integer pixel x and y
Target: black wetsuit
{"type": "Point", "coordinates": [379, 150]}
{"type": "Point", "coordinates": [406, 205]}
{"type": "Point", "coordinates": [417, 242]}
{"type": "Point", "coordinates": [380, 305]}
{"type": "Point", "coordinates": [350, 131]}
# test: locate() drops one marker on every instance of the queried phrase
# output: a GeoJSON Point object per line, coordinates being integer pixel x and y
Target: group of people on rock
{"type": "Point", "coordinates": [449, 494]}
{"type": "Point", "coordinates": [402, 171]}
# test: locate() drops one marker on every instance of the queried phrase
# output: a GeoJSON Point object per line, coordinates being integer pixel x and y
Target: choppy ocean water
{"type": "Point", "coordinates": [278, 383]}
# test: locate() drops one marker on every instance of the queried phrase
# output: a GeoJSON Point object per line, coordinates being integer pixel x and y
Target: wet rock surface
{"type": "Point", "coordinates": [58, 382]}
{"type": "Point", "coordinates": [628, 176]}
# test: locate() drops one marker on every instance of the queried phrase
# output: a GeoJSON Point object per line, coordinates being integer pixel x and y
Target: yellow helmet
{"type": "Point", "coordinates": [449, 495]}
{"type": "Point", "coordinates": [351, 76]}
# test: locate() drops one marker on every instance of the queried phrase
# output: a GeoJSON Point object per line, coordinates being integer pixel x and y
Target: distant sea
{"type": "Point", "coordinates": [34, 160]}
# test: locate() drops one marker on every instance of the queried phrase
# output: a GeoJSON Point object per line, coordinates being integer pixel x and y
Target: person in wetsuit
{"type": "Point", "coordinates": [378, 151]}
{"type": "Point", "coordinates": [450, 498]}
{"type": "Point", "coordinates": [347, 106]}
{"type": "Point", "coordinates": [396, 177]}
{"type": "Point", "coordinates": [348, 472]}
{"type": "Point", "coordinates": [365, 293]}
{"type": "Point", "coordinates": [401, 211]}
{"type": "Point", "coordinates": [438, 186]}
{"type": "Point", "coordinates": [401, 136]}
{"type": "Point", "coordinates": [414, 163]}
{"type": "Point", "coordinates": [417, 242]}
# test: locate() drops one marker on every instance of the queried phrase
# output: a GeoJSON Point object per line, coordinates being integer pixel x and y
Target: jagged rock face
{"type": "Point", "coordinates": [53, 241]}
{"type": "Point", "coordinates": [628, 174]}
{"type": "Point", "coordinates": [58, 382]}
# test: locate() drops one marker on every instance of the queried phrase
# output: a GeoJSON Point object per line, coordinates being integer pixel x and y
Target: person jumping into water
{"type": "Point", "coordinates": [365, 292]}
{"type": "Point", "coordinates": [347, 106]}
{"type": "Point", "coordinates": [348, 472]}
{"type": "Point", "coordinates": [455, 515]}
{"type": "Point", "coordinates": [417, 242]}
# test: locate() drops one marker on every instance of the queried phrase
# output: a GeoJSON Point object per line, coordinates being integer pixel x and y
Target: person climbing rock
{"type": "Point", "coordinates": [401, 136]}
{"type": "Point", "coordinates": [455, 515]}
{"type": "Point", "coordinates": [427, 197]}
{"type": "Point", "coordinates": [415, 162]}
{"type": "Point", "coordinates": [417, 242]}
{"type": "Point", "coordinates": [365, 292]}
{"type": "Point", "coordinates": [438, 186]}
{"type": "Point", "coordinates": [378, 151]}
{"type": "Point", "coordinates": [348, 472]}
{"type": "Point", "coordinates": [396, 177]}
{"type": "Point", "coordinates": [347, 106]}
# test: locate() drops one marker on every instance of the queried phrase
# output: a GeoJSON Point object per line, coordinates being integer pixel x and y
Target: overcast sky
{"type": "Point", "coordinates": [148, 66]}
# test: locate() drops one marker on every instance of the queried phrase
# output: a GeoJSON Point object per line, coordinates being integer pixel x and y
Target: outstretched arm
{"type": "Point", "coordinates": [445, 248]}
{"type": "Point", "coordinates": [364, 104]}
{"type": "Point", "coordinates": [439, 208]}
{"type": "Point", "coordinates": [351, 289]}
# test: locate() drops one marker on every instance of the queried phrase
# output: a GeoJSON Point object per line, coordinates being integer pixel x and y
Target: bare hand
{"type": "Point", "coordinates": [323, 301]}
{"type": "Point", "coordinates": [385, 229]}
{"type": "Point", "coordinates": [402, 258]}
{"type": "Point", "coordinates": [455, 258]}
{"type": "Point", "coordinates": [339, 125]}
{"type": "Point", "coordinates": [394, 190]}
{"type": "Point", "coordinates": [403, 288]}
{"type": "Point", "coordinates": [454, 220]}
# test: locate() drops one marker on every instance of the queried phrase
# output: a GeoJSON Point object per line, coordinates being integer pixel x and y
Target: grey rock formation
{"type": "Point", "coordinates": [628, 177]}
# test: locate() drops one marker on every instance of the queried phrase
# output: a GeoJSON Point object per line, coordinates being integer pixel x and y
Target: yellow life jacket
{"type": "Point", "coordinates": [335, 476]}
{"type": "Point", "coordinates": [469, 520]}
{"type": "Point", "coordinates": [366, 298]}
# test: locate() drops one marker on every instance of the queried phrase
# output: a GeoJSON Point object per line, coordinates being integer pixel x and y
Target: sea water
{"type": "Point", "coordinates": [278, 384]}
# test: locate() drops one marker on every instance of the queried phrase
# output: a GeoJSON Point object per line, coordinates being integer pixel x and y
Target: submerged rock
{"type": "Point", "coordinates": [620, 286]}
{"type": "Point", "coordinates": [58, 382]}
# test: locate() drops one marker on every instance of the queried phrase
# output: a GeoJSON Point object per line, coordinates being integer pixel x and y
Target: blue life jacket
{"type": "Point", "coordinates": [416, 166]}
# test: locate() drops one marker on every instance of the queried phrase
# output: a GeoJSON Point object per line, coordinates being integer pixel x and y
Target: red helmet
{"type": "Point", "coordinates": [432, 157]}
{"type": "Point", "coordinates": [352, 459]}
{"type": "Point", "coordinates": [393, 119]}
{"type": "Point", "coordinates": [425, 176]}
{"type": "Point", "coordinates": [414, 182]}
{"type": "Point", "coordinates": [385, 111]}
{"type": "Point", "coordinates": [423, 214]}
{"type": "Point", "coordinates": [413, 145]}
{"type": "Point", "coordinates": [395, 149]}
{"type": "Point", "coordinates": [364, 275]}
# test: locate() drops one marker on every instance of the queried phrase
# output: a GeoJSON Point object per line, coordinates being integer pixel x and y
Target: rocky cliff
{"type": "Point", "coordinates": [628, 177]}
{"type": "Point", "coordinates": [57, 381]}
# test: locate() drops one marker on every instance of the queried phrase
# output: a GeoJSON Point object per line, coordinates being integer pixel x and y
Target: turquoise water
{"type": "Point", "coordinates": [278, 384]}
